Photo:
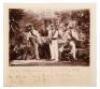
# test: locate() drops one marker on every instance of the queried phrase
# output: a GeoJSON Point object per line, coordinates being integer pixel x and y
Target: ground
{"type": "Point", "coordinates": [44, 62]}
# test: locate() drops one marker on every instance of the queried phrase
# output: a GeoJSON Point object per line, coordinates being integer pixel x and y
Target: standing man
{"type": "Point", "coordinates": [53, 36]}
{"type": "Point", "coordinates": [34, 37]}
{"type": "Point", "coordinates": [37, 41]}
{"type": "Point", "coordinates": [26, 37]}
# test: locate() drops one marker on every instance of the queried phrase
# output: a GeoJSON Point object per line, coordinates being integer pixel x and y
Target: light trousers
{"type": "Point", "coordinates": [37, 51]}
{"type": "Point", "coordinates": [54, 49]}
{"type": "Point", "coordinates": [73, 50]}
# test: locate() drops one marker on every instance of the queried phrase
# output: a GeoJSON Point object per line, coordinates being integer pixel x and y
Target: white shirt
{"type": "Point", "coordinates": [28, 35]}
{"type": "Point", "coordinates": [38, 37]}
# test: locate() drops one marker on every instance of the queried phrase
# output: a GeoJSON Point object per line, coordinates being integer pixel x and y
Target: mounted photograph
{"type": "Point", "coordinates": [49, 44]}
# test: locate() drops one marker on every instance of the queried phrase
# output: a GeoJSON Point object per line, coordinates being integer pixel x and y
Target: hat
{"type": "Point", "coordinates": [28, 25]}
{"type": "Point", "coordinates": [71, 24]}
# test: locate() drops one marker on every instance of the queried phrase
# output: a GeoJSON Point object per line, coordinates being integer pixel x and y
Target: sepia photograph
{"type": "Point", "coordinates": [49, 37]}
{"type": "Point", "coordinates": [49, 44]}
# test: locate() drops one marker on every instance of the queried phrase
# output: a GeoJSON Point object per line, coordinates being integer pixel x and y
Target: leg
{"type": "Point", "coordinates": [51, 50]}
{"type": "Point", "coordinates": [36, 51]}
{"type": "Point", "coordinates": [60, 50]}
{"type": "Point", "coordinates": [56, 50]}
{"type": "Point", "coordinates": [73, 50]}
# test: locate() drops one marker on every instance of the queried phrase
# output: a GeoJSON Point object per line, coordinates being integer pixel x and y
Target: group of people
{"type": "Point", "coordinates": [57, 39]}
